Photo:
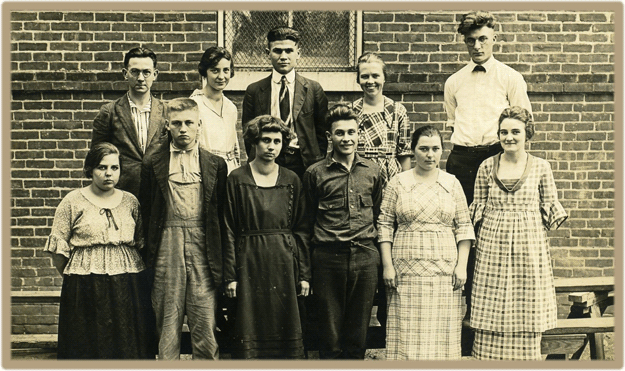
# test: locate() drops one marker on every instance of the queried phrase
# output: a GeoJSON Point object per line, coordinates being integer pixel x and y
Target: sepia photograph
{"type": "Point", "coordinates": [312, 182]}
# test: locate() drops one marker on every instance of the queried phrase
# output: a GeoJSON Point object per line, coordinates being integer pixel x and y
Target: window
{"type": "Point", "coordinates": [330, 40]}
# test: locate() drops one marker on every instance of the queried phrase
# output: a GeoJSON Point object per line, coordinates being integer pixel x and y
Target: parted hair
{"type": "Point", "coordinates": [520, 114]}
{"type": "Point", "coordinates": [424, 131]}
{"type": "Point", "coordinates": [339, 112]}
{"type": "Point", "coordinates": [139, 52]}
{"type": "Point", "coordinates": [95, 156]}
{"type": "Point", "coordinates": [211, 57]}
{"type": "Point", "coordinates": [267, 123]}
{"type": "Point", "coordinates": [474, 20]}
{"type": "Point", "coordinates": [370, 58]}
{"type": "Point", "coordinates": [282, 33]}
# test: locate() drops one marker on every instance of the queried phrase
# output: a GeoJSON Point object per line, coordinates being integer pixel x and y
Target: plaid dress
{"type": "Point", "coordinates": [425, 313]}
{"type": "Point", "coordinates": [384, 136]}
{"type": "Point", "coordinates": [513, 288]}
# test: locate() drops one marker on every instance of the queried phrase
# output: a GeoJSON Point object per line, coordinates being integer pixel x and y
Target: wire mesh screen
{"type": "Point", "coordinates": [327, 42]}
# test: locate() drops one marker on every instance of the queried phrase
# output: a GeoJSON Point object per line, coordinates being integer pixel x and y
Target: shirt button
{"type": "Point", "coordinates": [352, 206]}
{"type": "Point", "coordinates": [351, 190]}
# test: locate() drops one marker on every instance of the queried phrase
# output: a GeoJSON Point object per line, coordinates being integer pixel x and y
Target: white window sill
{"type": "Point", "coordinates": [330, 81]}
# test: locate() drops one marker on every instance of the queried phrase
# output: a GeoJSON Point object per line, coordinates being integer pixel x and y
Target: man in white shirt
{"type": "Point", "coordinates": [475, 96]}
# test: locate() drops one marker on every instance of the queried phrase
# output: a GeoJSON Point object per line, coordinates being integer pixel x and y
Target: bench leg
{"type": "Point", "coordinates": [596, 340]}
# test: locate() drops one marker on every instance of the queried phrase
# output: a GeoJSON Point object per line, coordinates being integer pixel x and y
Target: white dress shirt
{"type": "Point", "coordinates": [276, 79]}
{"type": "Point", "coordinates": [474, 101]}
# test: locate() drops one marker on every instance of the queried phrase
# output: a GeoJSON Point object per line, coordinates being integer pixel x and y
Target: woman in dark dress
{"type": "Point", "coordinates": [105, 310]}
{"type": "Point", "coordinates": [266, 257]}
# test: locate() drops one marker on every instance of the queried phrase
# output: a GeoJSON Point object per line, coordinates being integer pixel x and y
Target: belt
{"type": "Point", "coordinates": [345, 245]}
{"type": "Point", "coordinates": [477, 149]}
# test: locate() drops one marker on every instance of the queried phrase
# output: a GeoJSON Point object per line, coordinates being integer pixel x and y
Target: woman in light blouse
{"type": "Point", "coordinates": [105, 310]}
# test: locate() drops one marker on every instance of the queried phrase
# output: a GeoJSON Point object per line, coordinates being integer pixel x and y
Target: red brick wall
{"type": "Point", "coordinates": [65, 65]}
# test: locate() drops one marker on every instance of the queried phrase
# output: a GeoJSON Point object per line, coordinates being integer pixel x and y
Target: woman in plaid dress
{"type": "Point", "coordinates": [383, 124]}
{"type": "Point", "coordinates": [425, 260]}
{"type": "Point", "coordinates": [515, 202]}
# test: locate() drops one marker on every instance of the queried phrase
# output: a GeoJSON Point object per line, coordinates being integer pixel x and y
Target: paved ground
{"type": "Point", "coordinates": [372, 354]}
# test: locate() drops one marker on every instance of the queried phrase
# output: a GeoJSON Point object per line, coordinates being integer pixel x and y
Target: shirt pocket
{"type": "Point", "coordinates": [366, 210]}
{"type": "Point", "coordinates": [332, 212]}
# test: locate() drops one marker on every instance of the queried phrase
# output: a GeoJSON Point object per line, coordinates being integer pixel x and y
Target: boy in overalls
{"type": "Point", "coordinates": [182, 194]}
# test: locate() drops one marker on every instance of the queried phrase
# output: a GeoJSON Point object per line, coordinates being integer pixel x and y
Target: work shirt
{"type": "Point", "coordinates": [345, 202]}
{"type": "Point", "coordinates": [474, 101]}
{"type": "Point", "coordinates": [141, 119]}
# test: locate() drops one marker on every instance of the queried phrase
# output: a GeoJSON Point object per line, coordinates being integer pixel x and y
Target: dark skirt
{"type": "Point", "coordinates": [106, 317]}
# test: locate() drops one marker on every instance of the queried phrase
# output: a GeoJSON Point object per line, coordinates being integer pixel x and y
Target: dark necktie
{"type": "Point", "coordinates": [285, 104]}
{"type": "Point", "coordinates": [479, 68]}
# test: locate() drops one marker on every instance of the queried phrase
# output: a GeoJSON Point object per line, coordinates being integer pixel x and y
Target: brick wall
{"type": "Point", "coordinates": [65, 65]}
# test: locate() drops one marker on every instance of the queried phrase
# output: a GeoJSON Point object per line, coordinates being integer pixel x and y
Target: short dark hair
{"type": "Point", "coordinates": [267, 123]}
{"type": "Point", "coordinates": [211, 57]}
{"type": "Point", "coordinates": [370, 58]}
{"type": "Point", "coordinates": [424, 131]}
{"type": "Point", "coordinates": [520, 114]}
{"type": "Point", "coordinates": [339, 112]}
{"type": "Point", "coordinates": [95, 156]}
{"type": "Point", "coordinates": [283, 33]}
{"type": "Point", "coordinates": [475, 20]}
{"type": "Point", "coordinates": [139, 52]}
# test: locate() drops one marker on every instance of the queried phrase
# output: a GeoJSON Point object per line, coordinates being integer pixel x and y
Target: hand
{"type": "Point", "coordinates": [390, 277]}
{"type": "Point", "coordinates": [304, 288]}
{"type": "Point", "coordinates": [231, 289]}
{"type": "Point", "coordinates": [459, 277]}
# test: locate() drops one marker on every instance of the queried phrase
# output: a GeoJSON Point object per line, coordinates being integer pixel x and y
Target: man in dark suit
{"type": "Point", "coordinates": [134, 122]}
{"type": "Point", "coordinates": [300, 102]}
{"type": "Point", "coordinates": [183, 189]}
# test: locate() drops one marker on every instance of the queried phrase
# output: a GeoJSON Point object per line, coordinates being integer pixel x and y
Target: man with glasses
{"type": "Point", "coordinates": [134, 122]}
{"type": "Point", "coordinates": [474, 97]}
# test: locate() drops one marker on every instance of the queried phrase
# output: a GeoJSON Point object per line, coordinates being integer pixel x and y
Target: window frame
{"type": "Point", "coordinates": [330, 81]}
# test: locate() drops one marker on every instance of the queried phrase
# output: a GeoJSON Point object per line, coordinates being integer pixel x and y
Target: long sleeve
{"type": "Point", "coordinates": [247, 114]}
{"type": "Point", "coordinates": [552, 212]}
{"type": "Point", "coordinates": [139, 233]}
{"type": "Point", "coordinates": [450, 104]}
{"type": "Point", "coordinates": [101, 126]}
{"type": "Point", "coordinates": [386, 220]}
{"type": "Point", "coordinates": [302, 231]}
{"type": "Point", "coordinates": [321, 109]}
{"type": "Point", "coordinates": [480, 194]}
{"type": "Point", "coordinates": [403, 126]}
{"type": "Point", "coordinates": [231, 218]}
{"type": "Point", "coordinates": [517, 92]}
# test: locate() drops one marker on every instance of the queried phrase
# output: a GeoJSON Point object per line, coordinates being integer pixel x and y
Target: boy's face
{"type": "Point", "coordinates": [283, 55]}
{"type": "Point", "coordinates": [480, 43]}
{"type": "Point", "coordinates": [183, 126]}
{"type": "Point", "coordinates": [344, 136]}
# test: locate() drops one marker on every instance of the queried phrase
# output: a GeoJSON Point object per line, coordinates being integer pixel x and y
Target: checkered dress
{"type": "Point", "coordinates": [384, 136]}
{"type": "Point", "coordinates": [425, 313]}
{"type": "Point", "coordinates": [513, 289]}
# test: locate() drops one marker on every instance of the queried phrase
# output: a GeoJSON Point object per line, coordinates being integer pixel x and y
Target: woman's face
{"type": "Point", "coordinates": [218, 77]}
{"type": "Point", "coordinates": [269, 146]}
{"type": "Point", "coordinates": [371, 78]}
{"type": "Point", "coordinates": [428, 152]}
{"type": "Point", "coordinates": [512, 135]}
{"type": "Point", "coordinates": [106, 175]}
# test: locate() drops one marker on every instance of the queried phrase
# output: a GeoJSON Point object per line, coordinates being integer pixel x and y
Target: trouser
{"type": "Point", "coordinates": [183, 284]}
{"type": "Point", "coordinates": [344, 281]}
{"type": "Point", "coordinates": [464, 162]}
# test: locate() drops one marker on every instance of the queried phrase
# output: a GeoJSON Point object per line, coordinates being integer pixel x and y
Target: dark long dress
{"type": "Point", "coordinates": [267, 254]}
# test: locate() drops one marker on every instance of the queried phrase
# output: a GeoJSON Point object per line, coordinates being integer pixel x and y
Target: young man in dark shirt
{"type": "Point", "coordinates": [344, 191]}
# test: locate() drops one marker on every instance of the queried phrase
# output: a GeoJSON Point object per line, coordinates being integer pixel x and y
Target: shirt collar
{"type": "Point", "coordinates": [488, 65]}
{"type": "Point", "coordinates": [358, 160]}
{"type": "Point", "coordinates": [146, 108]}
{"type": "Point", "coordinates": [174, 149]}
{"type": "Point", "coordinates": [276, 77]}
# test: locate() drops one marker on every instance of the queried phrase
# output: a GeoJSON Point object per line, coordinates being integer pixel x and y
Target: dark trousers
{"type": "Point", "coordinates": [344, 281]}
{"type": "Point", "coordinates": [464, 162]}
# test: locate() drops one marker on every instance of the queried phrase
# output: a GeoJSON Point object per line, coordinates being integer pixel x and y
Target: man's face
{"type": "Point", "coordinates": [480, 43]}
{"type": "Point", "coordinates": [283, 55]}
{"type": "Point", "coordinates": [344, 136]}
{"type": "Point", "coordinates": [183, 126]}
{"type": "Point", "coordinates": [136, 73]}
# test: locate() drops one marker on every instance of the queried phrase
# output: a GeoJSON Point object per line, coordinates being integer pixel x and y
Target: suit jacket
{"type": "Point", "coordinates": [310, 106]}
{"type": "Point", "coordinates": [114, 124]}
{"type": "Point", "coordinates": [153, 199]}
